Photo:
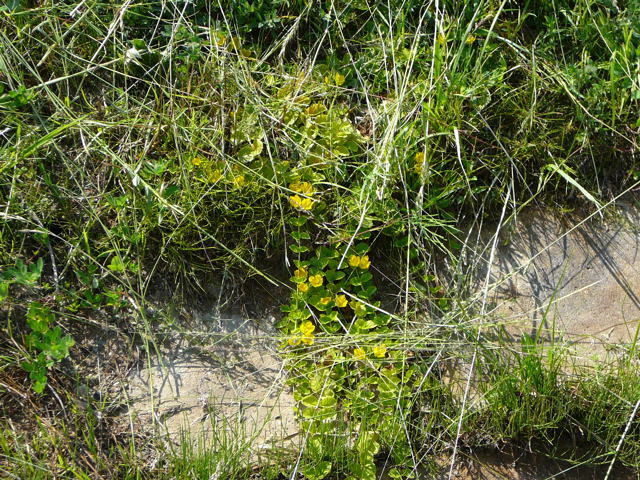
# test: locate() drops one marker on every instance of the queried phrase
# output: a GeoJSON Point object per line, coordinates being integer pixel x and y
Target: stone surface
{"type": "Point", "coordinates": [231, 387]}
{"type": "Point", "coordinates": [551, 273]}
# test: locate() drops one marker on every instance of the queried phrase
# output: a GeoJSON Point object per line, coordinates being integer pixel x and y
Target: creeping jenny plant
{"type": "Point", "coordinates": [350, 378]}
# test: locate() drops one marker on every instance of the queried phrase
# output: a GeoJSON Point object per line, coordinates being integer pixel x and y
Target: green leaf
{"type": "Point", "coordinates": [170, 191]}
{"type": "Point", "coordinates": [368, 292]}
{"type": "Point", "coordinates": [23, 275]}
{"type": "Point", "coordinates": [297, 236]}
{"type": "Point", "coordinates": [341, 151]}
{"type": "Point", "coordinates": [381, 319]}
{"type": "Point", "coordinates": [328, 252]}
{"type": "Point", "coordinates": [367, 443]}
{"type": "Point", "coordinates": [331, 317]}
{"type": "Point", "coordinates": [366, 277]}
{"type": "Point", "coordinates": [39, 317]}
{"type": "Point", "coordinates": [310, 401]}
{"type": "Point", "coordinates": [117, 265]}
{"type": "Point", "coordinates": [361, 324]}
{"type": "Point", "coordinates": [251, 151]}
{"type": "Point", "coordinates": [334, 276]}
{"type": "Point", "coordinates": [299, 248]}
{"type": "Point", "coordinates": [361, 248]}
{"type": "Point", "coordinates": [317, 471]}
{"type": "Point", "coordinates": [298, 221]}
{"type": "Point", "coordinates": [328, 401]}
{"type": "Point", "coordinates": [401, 242]}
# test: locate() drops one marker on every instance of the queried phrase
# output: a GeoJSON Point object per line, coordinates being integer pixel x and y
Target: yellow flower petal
{"type": "Point", "coordinates": [359, 353]}
{"type": "Point", "coordinates": [239, 181]}
{"type": "Point", "coordinates": [302, 187]}
{"type": "Point", "coordinates": [339, 79]}
{"type": "Point", "coordinates": [307, 340]}
{"type": "Point", "coordinates": [214, 175]}
{"type": "Point", "coordinates": [341, 301]}
{"type": "Point", "coordinates": [307, 328]}
{"type": "Point", "coordinates": [325, 300]}
{"type": "Point", "coordinates": [306, 204]}
{"type": "Point", "coordinates": [364, 262]}
{"type": "Point", "coordinates": [380, 350]}
{"type": "Point", "coordinates": [354, 261]}
{"type": "Point", "coordinates": [297, 201]}
{"type": "Point", "coordinates": [303, 287]}
{"type": "Point", "coordinates": [300, 273]}
{"type": "Point", "coordinates": [316, 280]}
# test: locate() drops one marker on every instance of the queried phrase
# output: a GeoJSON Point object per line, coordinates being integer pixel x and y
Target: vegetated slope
{"type": "Point", "coordinates": [144, 142]}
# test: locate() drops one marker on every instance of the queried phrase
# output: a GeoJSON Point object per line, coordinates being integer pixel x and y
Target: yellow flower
{"type": "Point", "coordinates": [315, 280]}
{"type": "Point", "coordinates": [341, 301]}
{"type": "Point", "coordinates": [297, 201]}
{"type": "Point", "coordinates": [361, 262]}
{"type": "Point", "coordinates": [359, 353]}
{"type": "Point", "coordinates": [302, 187]}
{"type": "Point", "coordinates": [300, 273]}
{"type": "Point", "coordinates": [325, 300]}
{"type": "Point", "coordinates": [293, 341]}
{"type": "Point", "coordinates": [307, 328]}
{"type": "Point", "coordinates": [196, 161]}
{"type": "Point", "coordinates": [470, 39]}
{"type": "Point", "coordinates": [354, 261]}
{"type": "Point", "coordinates": [303, 287]}
{"type": "Point", "coordinates": [364, 262]}
{"type": "Point", "coordinates": [214, 175]}
{"type": "Point", "coordinates": [239, 181]}
{"type": "Point", "coordinates": [339, 79]}
{"type": "Point", "coordinates": [380, 350]}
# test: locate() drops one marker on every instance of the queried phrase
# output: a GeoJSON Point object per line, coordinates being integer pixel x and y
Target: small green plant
{"type": "Point", "coordinates": [45, 343]}
{"type": "Point", "coordinates": [20, 274]}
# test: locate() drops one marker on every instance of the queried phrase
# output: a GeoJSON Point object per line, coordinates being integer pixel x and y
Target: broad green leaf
{"type": "Point", "coordinates": [317, 471]}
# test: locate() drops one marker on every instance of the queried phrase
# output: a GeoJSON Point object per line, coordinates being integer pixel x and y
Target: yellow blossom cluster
{"type": "Point", "coordinates": [337, 79]}
{"type": "Point", "coordinates": [300, 273]}
{"type": "Point", "coordinates": [379, 351]}
{"type": "Point", "coordinates": [316, 280]}
{"type": "Point", "coordinates": [305, 281]}
{"type": "Point", "coordinates": [213, 172]}
{"type": "Point", "coordinates": [306, 334]}
{"type": "Point", "coordinates": [362, 262]}
{"type": "Point", "coordinates": [302, 199]}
